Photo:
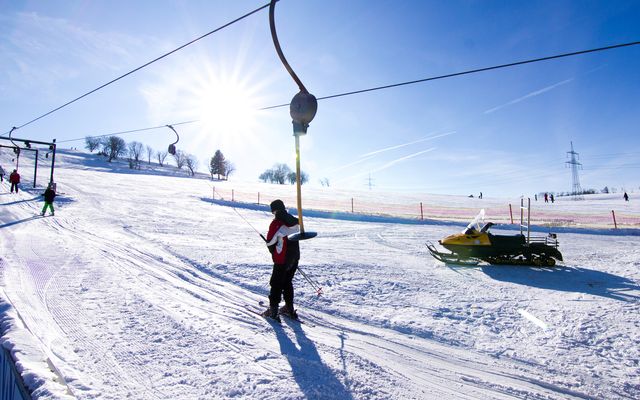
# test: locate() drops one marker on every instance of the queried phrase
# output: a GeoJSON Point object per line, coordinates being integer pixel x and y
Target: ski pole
{"type": "Point", "coordinates": [317, 288]}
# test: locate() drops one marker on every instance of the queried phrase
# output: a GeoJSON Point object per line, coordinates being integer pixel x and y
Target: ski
{"type": "Point", "coordinates": [260, 313]}
{"type": "Point", "coordinates": [261, 303]}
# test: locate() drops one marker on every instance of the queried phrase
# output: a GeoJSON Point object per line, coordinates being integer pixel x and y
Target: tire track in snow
{"type": "Point", "coordinates": [436, 366]}
{"type": "Point", "coordinates": [67, 315]}
{"type": "Point", "coordinates": [128, 261]}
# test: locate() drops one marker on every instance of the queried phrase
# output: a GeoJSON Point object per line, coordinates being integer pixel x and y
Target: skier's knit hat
{"type": "Point", "coordinates": [277, 205]}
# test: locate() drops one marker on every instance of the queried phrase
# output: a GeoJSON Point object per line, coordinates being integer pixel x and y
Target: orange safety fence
{"type": "Point", "coordinates": [541, 214]}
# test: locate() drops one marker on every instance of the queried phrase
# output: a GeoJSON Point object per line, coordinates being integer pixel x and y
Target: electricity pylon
{"type": "Point", "coordinates": [576, 190]}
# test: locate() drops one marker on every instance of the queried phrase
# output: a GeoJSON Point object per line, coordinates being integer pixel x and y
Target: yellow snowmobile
{"type": "Point", "coordinates": [476, 244]}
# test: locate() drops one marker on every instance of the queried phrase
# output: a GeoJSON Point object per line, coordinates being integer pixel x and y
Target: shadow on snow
{"type": "Point", "coordinates": [568, 279]}
{"type": "Point", "coordinates": [315, 379]}
{"type": "Point", "coordinates": [8, 224]}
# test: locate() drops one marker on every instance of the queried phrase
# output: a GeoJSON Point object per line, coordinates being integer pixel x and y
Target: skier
{"type": "Point", "coordinates": [49, 195]}
{"type": "Point", "coordinates": [1, 174]}
{"type": "Point", "coordinates": [626, 196]}
{"type": "Point", "coordinates": [285, 254]}
{"type": "Point", "coordinates": [551, 196]}
{"type": "Point", "coordinates": [14, 178]}
{"type": "Point", "coordinates": [546, 198]}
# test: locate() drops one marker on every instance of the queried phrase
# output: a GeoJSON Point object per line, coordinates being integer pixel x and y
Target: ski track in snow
{"type": "Point", "coordinates": [139, 290]}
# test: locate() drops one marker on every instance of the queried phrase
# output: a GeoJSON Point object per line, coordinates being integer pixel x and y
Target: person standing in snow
{"type": "Point", "coordinates": [551, 196]}
{"type": "Point", "coordinates": [625, 196]}
{"type": "Point", "coordinates": [546, 198]}
{"type": "Point", "coordinates": [285, 254]}
{"type": "Point", "coordinates": [1, 174]}
{"type": "Point", "coordinates": [14, 178]}
{"type": "Point", "coordinates": [49, 195]}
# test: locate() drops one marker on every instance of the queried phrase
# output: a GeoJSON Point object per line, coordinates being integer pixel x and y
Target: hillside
{"type": "Point", "coordinates": [139, 287]}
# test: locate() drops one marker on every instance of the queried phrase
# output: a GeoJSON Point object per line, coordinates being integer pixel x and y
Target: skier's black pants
{"type": "Point", "coordinates": [14, 185]}
{"type": "Point", "coordinates": [282, 284]}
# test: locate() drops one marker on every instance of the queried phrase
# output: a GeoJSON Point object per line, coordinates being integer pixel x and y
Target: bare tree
{"type": "Point", "coordinates": [149, 154]}
{"type": "Point", "coordinates": [162, 155]}
{"type": "Point", "coordinates": [113, 147]}
{"type": "Point", "coordinates": [266, 176]}
{"type": "Point", "coordinates": [91, 143]}
{"type": "Point", "coordinates": [292, 177]}
{"type": "Point", "coordinates": [181, 158]}
{"type": "Point", "coordinates": [135, 150]}
{"type": "Point", "coordinates": [229, 168]}
{"type": "Point", "coordinates": [324, 182]}
{"type": "Point", "coordinates": [279, 173]}
{"type": "Point", "coordinates": [192, 163]}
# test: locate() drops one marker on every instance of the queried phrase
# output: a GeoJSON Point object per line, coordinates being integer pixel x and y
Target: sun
{"type": "Point", "coordinates": [226, 108]}
{"type": "Point", "coordinates": [220, 103]}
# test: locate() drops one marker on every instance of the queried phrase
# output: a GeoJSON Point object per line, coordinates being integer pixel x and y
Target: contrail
{"type": "Point", "coordinates": [532, 94]}
{"type": "Point", "coordinates": [390, 163]}
{"type": "Point", "coordinates": [349, 165]}
{"type": "Point", "coordinates": [387, 165]}
{"type": "Point", "coordinates": [407, 144]}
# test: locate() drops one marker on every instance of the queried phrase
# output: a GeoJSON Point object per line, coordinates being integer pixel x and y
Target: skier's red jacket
{"type": "Point", "coordinates": [14, 177]}
{"type": "Point", "coordinates": [277, 239]}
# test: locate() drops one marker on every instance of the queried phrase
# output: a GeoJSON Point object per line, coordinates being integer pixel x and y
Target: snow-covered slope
{"type": "Point", "coordinates": [138, 289]}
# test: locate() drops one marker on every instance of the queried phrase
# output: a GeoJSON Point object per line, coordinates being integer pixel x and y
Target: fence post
{"type": "Point", "coordinates": [352, 204]}
{"type": "Point", "coordinates": [258, 198]}
{"type": "Point", "coordinates": [213, 194]}
{"type": "Point", "coordinates": [421, 212]}
{"type": "Point", "coordinates": [615, 224]}
{"type": "Point", "coordinates": [511, 213]}
{"type": "Point", "coordinates": [232, 195]}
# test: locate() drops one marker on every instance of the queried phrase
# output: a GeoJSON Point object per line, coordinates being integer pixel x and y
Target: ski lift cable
{"type": "Point", "coordinates": [390, 85]}
{"type": "Point", "coordinates": [471, 71]}
{"type": "Point", "coordinates": [145, 65]}
{"type": "Point", "coordinates": [131, 131]}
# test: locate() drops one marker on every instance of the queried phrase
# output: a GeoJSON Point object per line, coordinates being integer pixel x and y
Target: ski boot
{"type": "Point", "coordinates": [289, 312]}
{"type": "Point", "coordinates": [272, 313]}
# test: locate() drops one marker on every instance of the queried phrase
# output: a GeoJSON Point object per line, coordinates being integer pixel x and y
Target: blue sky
{"type": "Point", "coordinates": [502, 132]}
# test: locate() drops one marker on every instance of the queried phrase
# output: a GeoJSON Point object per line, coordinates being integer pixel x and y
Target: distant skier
{"type": "Point", "coordinates": [536, 197]}
{"type": "Point", "coordinates": [49, 195]}
{"type": "Point", "coordinates": [285, 254]}
{"type": "Point", "coordinates": [480, 196]}
{"type": "Point", "coordinates": [1, 174]}
{"type": "Point", "coordinates": [551, 196]}
{"type": "Point", "coordinates": [546, 198]}
{"type": "Point", "coordinates": [626, 196]}
{"type": "Point", "coordinates": [14, 178]}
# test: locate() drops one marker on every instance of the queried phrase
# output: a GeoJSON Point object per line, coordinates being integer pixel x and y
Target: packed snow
{"type": "Point", "coordinates": [141, 287]}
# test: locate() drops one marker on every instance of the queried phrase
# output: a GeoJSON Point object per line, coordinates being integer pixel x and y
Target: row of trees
{"type": "Point", "coordinates": [605, 190]}
{"type": "Point", "coordinates": [114, 147]}
{"type": "Point", "coordinates": [281, 173]}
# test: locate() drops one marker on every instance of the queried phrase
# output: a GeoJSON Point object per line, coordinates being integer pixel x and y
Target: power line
{"type": "Point", "coordinates": [145, 65]}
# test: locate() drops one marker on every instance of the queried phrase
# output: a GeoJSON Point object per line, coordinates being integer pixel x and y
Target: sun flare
{"type": "Point", "coordinates": [227, 108]}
